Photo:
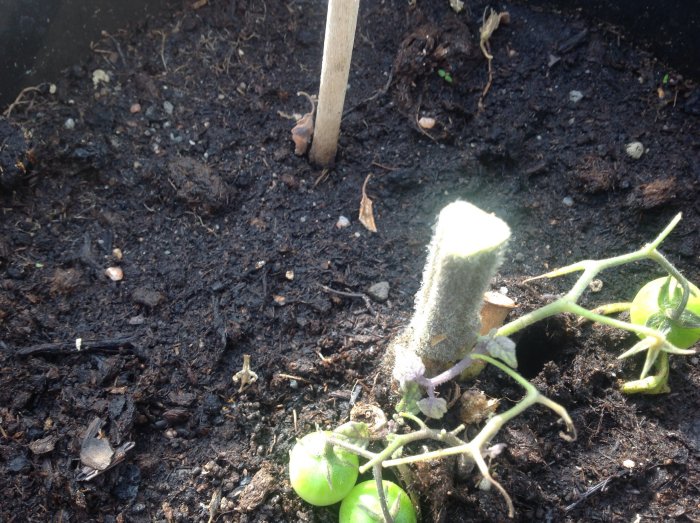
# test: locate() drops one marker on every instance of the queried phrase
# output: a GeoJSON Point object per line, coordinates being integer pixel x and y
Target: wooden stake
{"type": "Point", "coordinates": [341, 22]}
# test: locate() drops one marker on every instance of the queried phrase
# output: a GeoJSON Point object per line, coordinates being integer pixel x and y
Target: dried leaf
{"type": "Point", "coordinates": [199, 4]}
{"type": "Point", "coordinates": [303, 131]}
{"type": "Point", "coordinates": [366, 214]}
{"type": "Point", "coordinates": [488, 26]}
{"type": "Point", "coordinates": [475, 407]}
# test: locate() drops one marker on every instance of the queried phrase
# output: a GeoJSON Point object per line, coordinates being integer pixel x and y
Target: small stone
{"type": "Point", "coordinates": [69, 124]}
{"type": "Point", "coordinates": [568, 201]}
{"type": "Point", "coordinates": [629, 464]}
{"type": "Point", "coordinates": [426, 122]}
{"type": "Point", "coordinates": [575, 96]}
{"type": "Point", "coordinates": [279, 299]}
{"type": "Point", "coordinates": [135, 108]}
{"type": "Point", "coordinates": [342, 223]}
{"type": "Point", "coordinates": [137, 320]}
{"type": "Point", "coordinates": [634, 150]}
{"type": "Point", "coordinates": [168, 107]}
{"type": "Point", "coordinates": [379, 291]}
{"type": "Point", "coordinates": [114, 273]}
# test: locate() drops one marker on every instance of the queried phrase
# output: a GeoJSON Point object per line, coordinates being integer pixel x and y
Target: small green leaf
{"type": "Point", "coordinates": [354, 432]}
{"type": "Point", "coordinates": [660, 322]}
{"type": "Point", "coordinates": [687, 320]}
{"type": "Point", "coordinates": [433, 407]}
{"type": "Point", "coordinates": [504, 349]}
{"type": "Point", "coordinates": [411, 393]}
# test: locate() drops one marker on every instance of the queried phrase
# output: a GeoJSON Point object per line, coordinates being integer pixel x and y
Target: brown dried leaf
{"type": "Point", "coordinates": [366, 213]}
{"type": "Point", "coordinates": [303, 131]}
{"type": "Point", "coordinates": [475, 407]}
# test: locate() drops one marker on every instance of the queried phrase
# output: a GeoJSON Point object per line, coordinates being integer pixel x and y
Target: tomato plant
{"type": "Point", "coordinates": [320, 473]}
{"type": "Point", "coordinates": [362, 504]}
{"type": "Point", "coordinates": [656, 305]}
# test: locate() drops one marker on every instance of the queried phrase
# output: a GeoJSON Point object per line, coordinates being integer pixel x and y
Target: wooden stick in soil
{"type": "Point", "coordinates": [341, 22]}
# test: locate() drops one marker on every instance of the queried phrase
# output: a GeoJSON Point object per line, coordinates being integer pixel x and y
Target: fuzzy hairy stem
{"type": "Point", "coordinates": [463, 256]}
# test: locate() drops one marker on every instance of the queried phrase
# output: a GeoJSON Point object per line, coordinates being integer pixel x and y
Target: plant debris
{"type": "Point", "coordinates": [366, 214]}
{"type": "Point", "coordinates": [488, 26]}
{"type": "Point", "coordinates": [303, 131]}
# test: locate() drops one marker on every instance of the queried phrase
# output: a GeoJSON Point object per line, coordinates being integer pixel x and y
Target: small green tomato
{"type": "Point", "coordinates": [320, 473]}
{"type": "Point", "coordinates": [655, 304]}
{"type": "Point", "coordinates": [362, 504]}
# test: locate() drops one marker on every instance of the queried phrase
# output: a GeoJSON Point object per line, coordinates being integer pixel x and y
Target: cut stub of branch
{"type": "Point", "coordinates": [464, 254]}
{"type": "Point", "coordinates": [489, 24]}
{"type": "Point", "coordinates": [494, 311]}
{"type": "Point", "coordinates": [303, 131]}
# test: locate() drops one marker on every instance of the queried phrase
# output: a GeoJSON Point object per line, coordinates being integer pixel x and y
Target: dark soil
{"type": "Point", "coordinates": [226, 240]}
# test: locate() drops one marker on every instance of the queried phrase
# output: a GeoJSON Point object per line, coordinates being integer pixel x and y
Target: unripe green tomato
{"type": "Point", "coordinates": [362, 504]}
{"type": "Point", "coordinates": [646, 305]}
{"type": "Point", "coordinates": [320, 473]}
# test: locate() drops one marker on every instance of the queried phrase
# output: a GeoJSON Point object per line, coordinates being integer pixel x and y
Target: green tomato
{"type": "Point", "coordinates": [362, 504]}
{"type": "Point", "coordinates": [320, 473]}
{"type": "Point", "coordinates": [654, 305]}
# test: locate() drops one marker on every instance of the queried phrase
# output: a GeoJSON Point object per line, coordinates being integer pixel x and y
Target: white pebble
{"type": "Point", "coordinates": [69, 124]}
{"type": "Point", "coordinates": [114, 273]}
{"type": "Point", "coordinates": [568, 201]}
{"type": "Point", "coordinates": [575, 96]}
{"type": "Point", "coordinates": [634, 150]}
{"type": "Point", "coordinates": [168, 107]}
{"type": "Point", "coordinates": [426, 122]}
{"type": "Point", "coordinates": [628, 464]}
{"type": "Point", "coordinates": [342, 223]}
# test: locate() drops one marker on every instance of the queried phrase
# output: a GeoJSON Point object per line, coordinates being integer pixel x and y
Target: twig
{"type": "Point", "coordinates": [116, 44]}
{"type": "Point", "coordinates": [488, 26]}
{"type": "Point", "coordinates": [163, 36]}
{"type": "Point", "coordinates": [598, 487]}
{"type": "Point", "coordinates": [364, 297]}
{"type": "Point", "coordinates": [377, 94]}
{"type": "Point", "coordinates": [110, 345]}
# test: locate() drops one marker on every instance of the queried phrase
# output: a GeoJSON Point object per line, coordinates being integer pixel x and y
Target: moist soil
{"type": "Point", "coordinates": [180, 172]}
